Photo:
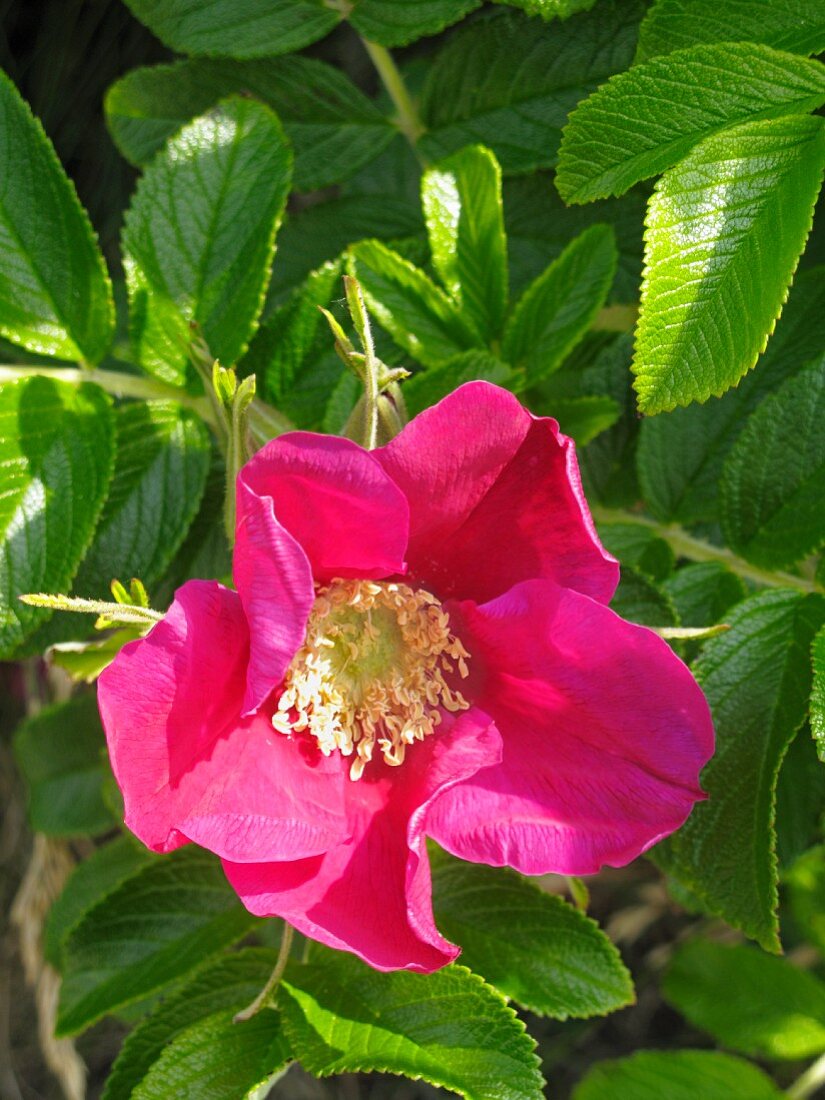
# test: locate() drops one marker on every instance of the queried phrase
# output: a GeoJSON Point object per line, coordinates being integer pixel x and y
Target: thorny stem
{"type": "Point", "coordinates": [685, 545]}
{"type": "Point", "coordinates": [810, 1081]}
{"type": "Point", "coordinates": [264, 996]}
{"type": "Point", "coordinates": [409, 121]}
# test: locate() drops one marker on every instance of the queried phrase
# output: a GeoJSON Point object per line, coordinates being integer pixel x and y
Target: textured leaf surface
{"type": "Point", "coordinates": [818, 694]}
{"type": "Point", "coordinates": [756, 678]}
{"type": "Point", "coordinates": [394, 24]}
{"type": "Point", "coordinates": [716, 275]}
{"type": "Point", "coordinates": [551, 9]}
{"type": "Point", "coordinates": [531, 945]}
{"type": "Point", "coordinates": [161, 463]}
{"type": "Point", "coordinates": [644, 120]}
{"type": "Point", "coordinates": [508, 82]}
{"type": "Point", "coordinates": [461, 197]}
{"type": "Point", "coordinates": [607, 464]}
{"type": "Point", "coordinates": [428, 387]}
{"type": "Point", "coordinates": [721, 988]}
{"type": "Point", "coordinates": [702, 593]}
{"type": "Point", "coordinates": [154, 928]}
{"type": "Point", "coordinates": [794, 25]}
{"type": "Point", "coordinates": [236, 28]}
{"type": "Point", "coordinates": [640, 600]}
{"type": "Point", "coordinates": [638, 547]}
{"type": "Point", "coordinates": [55, 294]}
{"type": "Point", "coordinates": [61, 754]}
{"type": "Point", "coordinates": [199, 236]}
{"type": "Point", "coordinates": [677, 1075]}
{"type": "Point", "coordinates": [333, 127]}
{"type": "Point", "coordinates": [448, 1028]}
{"type": "Point", "coordinates": [560, 306]}
{"type": "Point", "coordinates": [56, 452]}
{"type": "Point", "coordinates": [773, 482]}
{"type": "Point", "coordinates": [415, 312]}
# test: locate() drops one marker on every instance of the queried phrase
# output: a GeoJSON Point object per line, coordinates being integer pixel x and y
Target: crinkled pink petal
{"type": "Point", "coordinates": [372, 894]}
{"type": "Point", "coordinates": [189, 767]}
{"type": "Point", "coordinates": [604, 731]}
{"type": "Point", "coordinates": [495, 498]}
{"type": "Point", "coordinates": [336, 500]}
{"type": "Point", "coordinates": [274, 583]}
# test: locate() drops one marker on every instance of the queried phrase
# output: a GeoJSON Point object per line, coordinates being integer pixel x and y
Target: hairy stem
{"type": "Point", "coordinates": [810, 1082]}
{"type": "Point", "coordinates": [685, 545]}
{"type": "Point", "coordinates": [409, 121]}
{"type": "Point", "coordinates": [263, 998]}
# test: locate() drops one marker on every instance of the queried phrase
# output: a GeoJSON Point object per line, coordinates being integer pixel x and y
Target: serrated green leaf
{"type": "Point", "coordinates": [229, 984]}
{"type": "Point", "coordinates": [716, 279]}
{"type": "Point", "coordinates": [677, 1075]}
{"type": "Point", "coordinates": [677, 102]}
{"type": "Point", "coordinates": [161, 464]}
{"type": "Point", "coordinates": [557, 309]}
{"type": "Point", "coordinates": [794, 25]}
{"type": "Point", "coordinates": [680, 456]}
{"type": "Point", "coordinates": [772, 489]}
{"type": "Point", "coordinates": [415, 312]}
{"type": "Point", "coordinates": [531, 945]}
{"type": "Point", "coordinates": [754, 1003]}
{"type": "Point", "coordinates": [394, 24]}
{"type": "Point", "coordinates": [805, 883]}
{"type": "Point", "coordinates": [56, 453]}
{"type": "Point", "coordinates": [641, 600]}
{"type": "Point", "coordinates": [60, 753]}
{"type": "Point", "coordinates": [756, 678]}
{"type": "Point", "coordinates": [333, 127]}
{"type": "Point", "coordinates": [449, 1027]}
{"type": "Point", "coordinates": [429, 386]}
{"type": "Point", "coordinates": [200, 235]}
{"type": "Point", "coordinates": [508, 82]}
{"type": "Point", "coordinates": [153, 929]}
{"type": "Point", "coordinates": [91, 880]}
{"type": "Point", "coordinates": [704, 592]}
{"type": "Point", "coordinates": [236, 28]}
{"type": "Point", "coordinates": [639, 548]}
{"type": "Point", "coordinates": [55, 293]}
{"type": "Point", "coordinates": [818, 694]}
{"type": "Point", "coordinates": [461, 197]}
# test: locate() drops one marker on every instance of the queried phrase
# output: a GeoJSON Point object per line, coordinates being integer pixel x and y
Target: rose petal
{"type": "Point", "coordinates": [604, 730]}
{"type": "Point", "coordinates": [495, 498]}
{"type": "Point", "coordinates": [372, 895]}
{"type": "Point", "coordinates": [336, 500]}
{"type": "Point", "coordinates": [188, 766]}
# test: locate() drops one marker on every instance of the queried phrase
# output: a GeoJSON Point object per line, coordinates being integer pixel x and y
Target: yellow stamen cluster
{"type": "Point", "coordinates": [371, 672]}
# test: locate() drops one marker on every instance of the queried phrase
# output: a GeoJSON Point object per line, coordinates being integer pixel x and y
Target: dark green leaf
{"type": "Point", "coordinates": [638, 547]}
{"type": "Point", "coordinates": [677, 1075]}
{"type": "Point", "coordinates": [794, 25]}
{"type": "Point", "coordinates": [773, 482]}
{"type": "Point", "coordinates": [508, 82]}
{"type": "Point", "coordinates": [333, 127]}
{"type": "Point", "coordinates": [200, 235]}
{"type": "Point", "coordinates": [756, 677]}
{"type": "Point", "coordinates": [715, 283]}
{"type": "Point", "coordinates": [153, 929]}
{"type": "Point", "coordinates": [529, 944]}
{"type": "Point", "coordinates": [236, 28]}
{"type": "Point", "coordinates": [554, 312]}
{"type": "Point", "coordinates": [607, 463]}
{"type": "Point", "coordinates": [818, 694]}
{"type": "Point", "coordinates": [641, 600]}
{"type": "Point", "coordinates": [461, 197]}
{"type": "Point", "coordinates": [55, 294]}
{"type": "Point", "coordinates": [752, 1002]}
{"type": "Point", "coordinates": [800, 799]}
{"type": "Point", "coordinates": [61, 752]}
{"type": "Point", "coordinates": [448, 1028]}
{"type": "Point", "coordinates": [704, 592]}
{"type": "Point", "coordinates": [551, 9]}
{"type": "Point", "coordinates": [428, 387]}
{"type": "Point", "coordinates": [394, 24]}
{"type": "Point", "coordinates": [585, 417]}
{"type": "Point", "coordinates": [56, 452]}
{"type": "Point", "coordinates": [806, 894]}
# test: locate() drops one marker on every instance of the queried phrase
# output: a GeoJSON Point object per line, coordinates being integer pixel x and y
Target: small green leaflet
{"type": "Point", "coordinates": [200, 236]}
{"type": "Point", "coordinates": [551, 9]}
{"type": "Point", "coordinates": [154, 928]}
{"type": "Point", "coordinates": [714, 286]}
{"type": "Point", "coordinates": [773, 494]}
{"type": "Point", "coordinates": [794, 25]}
{"type": "Point", "coordinates": [677, 1075]}
{"type": "Point", "coordinates": [236, 28]}
{"type": "Point", "coordinates": [703, 592]}
{"type": "Point", "coordinates": [333, 127]}
{"type": "Point", "coordinates": [756, 678]}
{"type": "Point", "coordinates": [818, 694]}
{"type": "Point", "coordinates": [508, 82]}
{"type": "Point", "coordinates": [56, 452]}
{"type": "Point", "coordinates": [61, 753]}
{"type": "Point", "coordinates": [529, 944]}
{"type": "Point", "coordinates": [55, 293]}
{"type": "Point", "coordinates": [558, 308]}
{"type": "Point", "coordinates": [585, 417]}
{"type": "Point", "coordinates": [721, 988]}
{"type": "Point", "coordinates": [677, 101]}
{"type": "Point", "coordinates": [449, 1027]}
{"type": "Point", "coordinates": [461, 197]}
{"type": "Point", "coordinates": [394, 24]}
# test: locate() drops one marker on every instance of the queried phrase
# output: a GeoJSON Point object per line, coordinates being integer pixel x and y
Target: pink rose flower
{"type": "Point", "coordinates": [419, 645]}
